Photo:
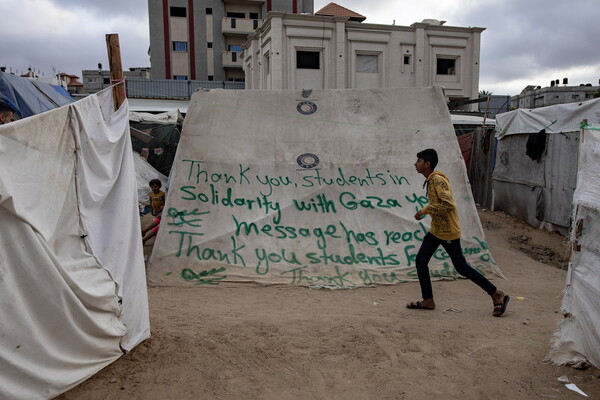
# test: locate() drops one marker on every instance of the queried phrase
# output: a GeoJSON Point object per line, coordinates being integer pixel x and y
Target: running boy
{"type": "Point", "coordinates": [445, 231]}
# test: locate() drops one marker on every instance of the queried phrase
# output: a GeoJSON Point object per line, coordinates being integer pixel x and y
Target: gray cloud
{"type": "Point", "coordinates": [530, 40]}
{"type": "Point", "coordinates": [107, 8]}
{"type": "Point", "coordinates": [525, 42]}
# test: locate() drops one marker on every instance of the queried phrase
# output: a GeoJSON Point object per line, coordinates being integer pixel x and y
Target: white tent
{"type": "Point", "coordinates": [540, 191]}
{"type": "Point", "coordinates": [309, 188]}
{"type": "Point", "coordinates": [72, 281]}
{"type": "Point", "coordinates": [577, 341]}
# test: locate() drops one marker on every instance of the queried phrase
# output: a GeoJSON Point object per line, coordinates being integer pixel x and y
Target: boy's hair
{"type": "Point", "coordinates": [5, 108]}
{"type": "Point", "coordinates": [429, 155]}
{"type": "Point", "coordinates": [155, 182]}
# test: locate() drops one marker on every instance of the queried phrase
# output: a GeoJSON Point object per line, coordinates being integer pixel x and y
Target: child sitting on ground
{"type": "Point", "coordinates": [157, 202]}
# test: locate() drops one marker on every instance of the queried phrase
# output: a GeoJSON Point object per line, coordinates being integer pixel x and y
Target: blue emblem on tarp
{"type": "Point", "coordinates": [306, 107]}
{"type": "Point", "coordinates": [307, 160]}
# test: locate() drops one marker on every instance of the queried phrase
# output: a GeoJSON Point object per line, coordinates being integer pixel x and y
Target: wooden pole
{"type": "Point", "coordinates": [116, 69]}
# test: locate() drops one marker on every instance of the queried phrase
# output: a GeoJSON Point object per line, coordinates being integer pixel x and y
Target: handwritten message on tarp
{"type": "Point", "coordinates": [306, 195]}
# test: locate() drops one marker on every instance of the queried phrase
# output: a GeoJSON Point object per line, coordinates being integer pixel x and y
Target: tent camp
{"type": "Point", "coordinates": [308, 187]}
{"type": "Point", "coordinates": [577, 341]}
{"type": "Point", "coordinates": [72, 289]}
{"type": "Point", "coordinates": [28, 97]}
{"type": "Point", "coordinates": [536, 162]}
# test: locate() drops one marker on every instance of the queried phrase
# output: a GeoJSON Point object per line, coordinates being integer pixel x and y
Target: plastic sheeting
{"type": "Point", "coordinates": [309, 188]}
{"type": "Point", "coordinates": [540, 191]}
{"type": "Point", "coordinates": [28, 97]}
{"type": "Point", "coordinates": [577, 341]}
{"type": "Point", "coordinates": [555, 119]}
{"type": "Point", "coordinates": [170, 117]}
{"type": "Point", "coordinates": [73, 291]}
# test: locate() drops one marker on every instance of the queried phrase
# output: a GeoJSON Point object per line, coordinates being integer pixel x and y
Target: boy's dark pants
{"type": "Point", "coordinates": [452, 247]}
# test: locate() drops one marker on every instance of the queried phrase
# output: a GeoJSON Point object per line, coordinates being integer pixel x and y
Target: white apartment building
{"type": "Point", "coordinates": [291, 51]}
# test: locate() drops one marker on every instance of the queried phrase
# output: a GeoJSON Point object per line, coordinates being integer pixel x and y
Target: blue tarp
{"type": "Point", "coordinates": [29, 97]}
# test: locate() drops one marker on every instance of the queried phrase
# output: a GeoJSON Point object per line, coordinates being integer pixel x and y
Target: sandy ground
{"type": "Point", "coordinates": [251, 342]}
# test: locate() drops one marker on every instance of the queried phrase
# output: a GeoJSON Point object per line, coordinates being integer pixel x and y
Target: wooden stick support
{"type": "Point", "coordinates": [116, 69]}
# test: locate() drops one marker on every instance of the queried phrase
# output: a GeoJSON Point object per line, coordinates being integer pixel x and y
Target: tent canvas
{"type": "Point", "coordinates": [577, 341]}
{"type": "Point", "coordinates": [540, 191]}
{"type": "Point", "coordinates": [73, 291]}
{"type": "Point", "coordinates": [311, 187]}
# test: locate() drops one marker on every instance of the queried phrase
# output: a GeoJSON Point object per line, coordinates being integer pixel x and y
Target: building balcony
{"type": "Point", "coordinates": [232, 59]}
{"type": "Point", "coordinates": [239, 26]}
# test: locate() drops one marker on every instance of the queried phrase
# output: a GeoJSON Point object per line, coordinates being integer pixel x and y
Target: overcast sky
{"type": "Point", "coordinates": [526, 42]}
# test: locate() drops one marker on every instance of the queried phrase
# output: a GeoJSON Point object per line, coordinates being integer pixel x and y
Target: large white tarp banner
{"type": "Point", "coordinates": [309, 188]}
{"type": "Point", "coordinates": [72, 280]}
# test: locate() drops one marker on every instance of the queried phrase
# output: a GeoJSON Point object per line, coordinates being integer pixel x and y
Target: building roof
{"type": "Point", "coordinates": [68, 75]}
{"type": "Point", "coordinates": [335, 10]}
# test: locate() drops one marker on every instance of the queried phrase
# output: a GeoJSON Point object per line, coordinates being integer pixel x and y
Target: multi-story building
{"type": "Point", "coordinates": [334, 50]}
{"type": "Point", "coordinates": [202, 39]}
{"type": "Point", "coordinates": [537, 96]}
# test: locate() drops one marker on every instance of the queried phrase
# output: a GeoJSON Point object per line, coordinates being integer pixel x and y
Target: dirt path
{"type": "Point", "coordinates": [250, 342]}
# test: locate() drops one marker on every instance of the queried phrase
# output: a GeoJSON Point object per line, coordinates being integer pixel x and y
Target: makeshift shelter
{"type": "Point", "coordinates": [577, 341]}
{"type": "Point", "coordinates": [72, 289]}
{"type": "Point", "coordinates": [536, 162]}
{"type": "Point", "coordinates": [155, 137]}
{"type": "Point", "coordinates": [29, 97]}
{"type": "Point", "coordinates": [309, 187]}
{"type": "Point", "coordinates": [483, 151]}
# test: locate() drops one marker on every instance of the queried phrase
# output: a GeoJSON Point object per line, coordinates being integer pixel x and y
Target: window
{"type": "Point", "coordinates": [208, 11]}
{"type": "Point", "coordinates": [180, 46]}
{"type": "Point", "coordinates": [180, 77]}
{"type": "Point", "coordinates": [106, 81]}
{"type": "Point", "coordinates": [209, 45]}
{"type": "Point", "coordinates": [233, 57]}
{"type": "Point", "coordinates": [575, 96]}
{"type": "Point", "coordinates": [367, 63]}
{"type": "Point", "coordinates": [307, 59]}
{"type": "Point", "coordinates": [210, 78]}
{"type": "Point", "coordinates": [234, 47]}
{"type": "Point", "coordinates": [406, 60]}
{"type": "Point", "coordinates": [236, 15]}
{"type": "Point", "coordinates": [253, 15]}
{"type": "Point", "coordinates": [178, 12]}
{"type": "Point", "coordinates": [446, 66]}
{"type": "Point", "coordinates": [254, 24]}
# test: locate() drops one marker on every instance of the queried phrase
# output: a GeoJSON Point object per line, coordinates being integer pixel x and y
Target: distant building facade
{"type": "Point", "coordinates": [201, 39]}
{"type": "Point", "coordinates": [72, 81]}
{"type": "Point", "coordinates": [96, 80]}
{"type": "Point", "coordinates": [497, 104]}
{"type": "Point", "coordinates": [537, 96]}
